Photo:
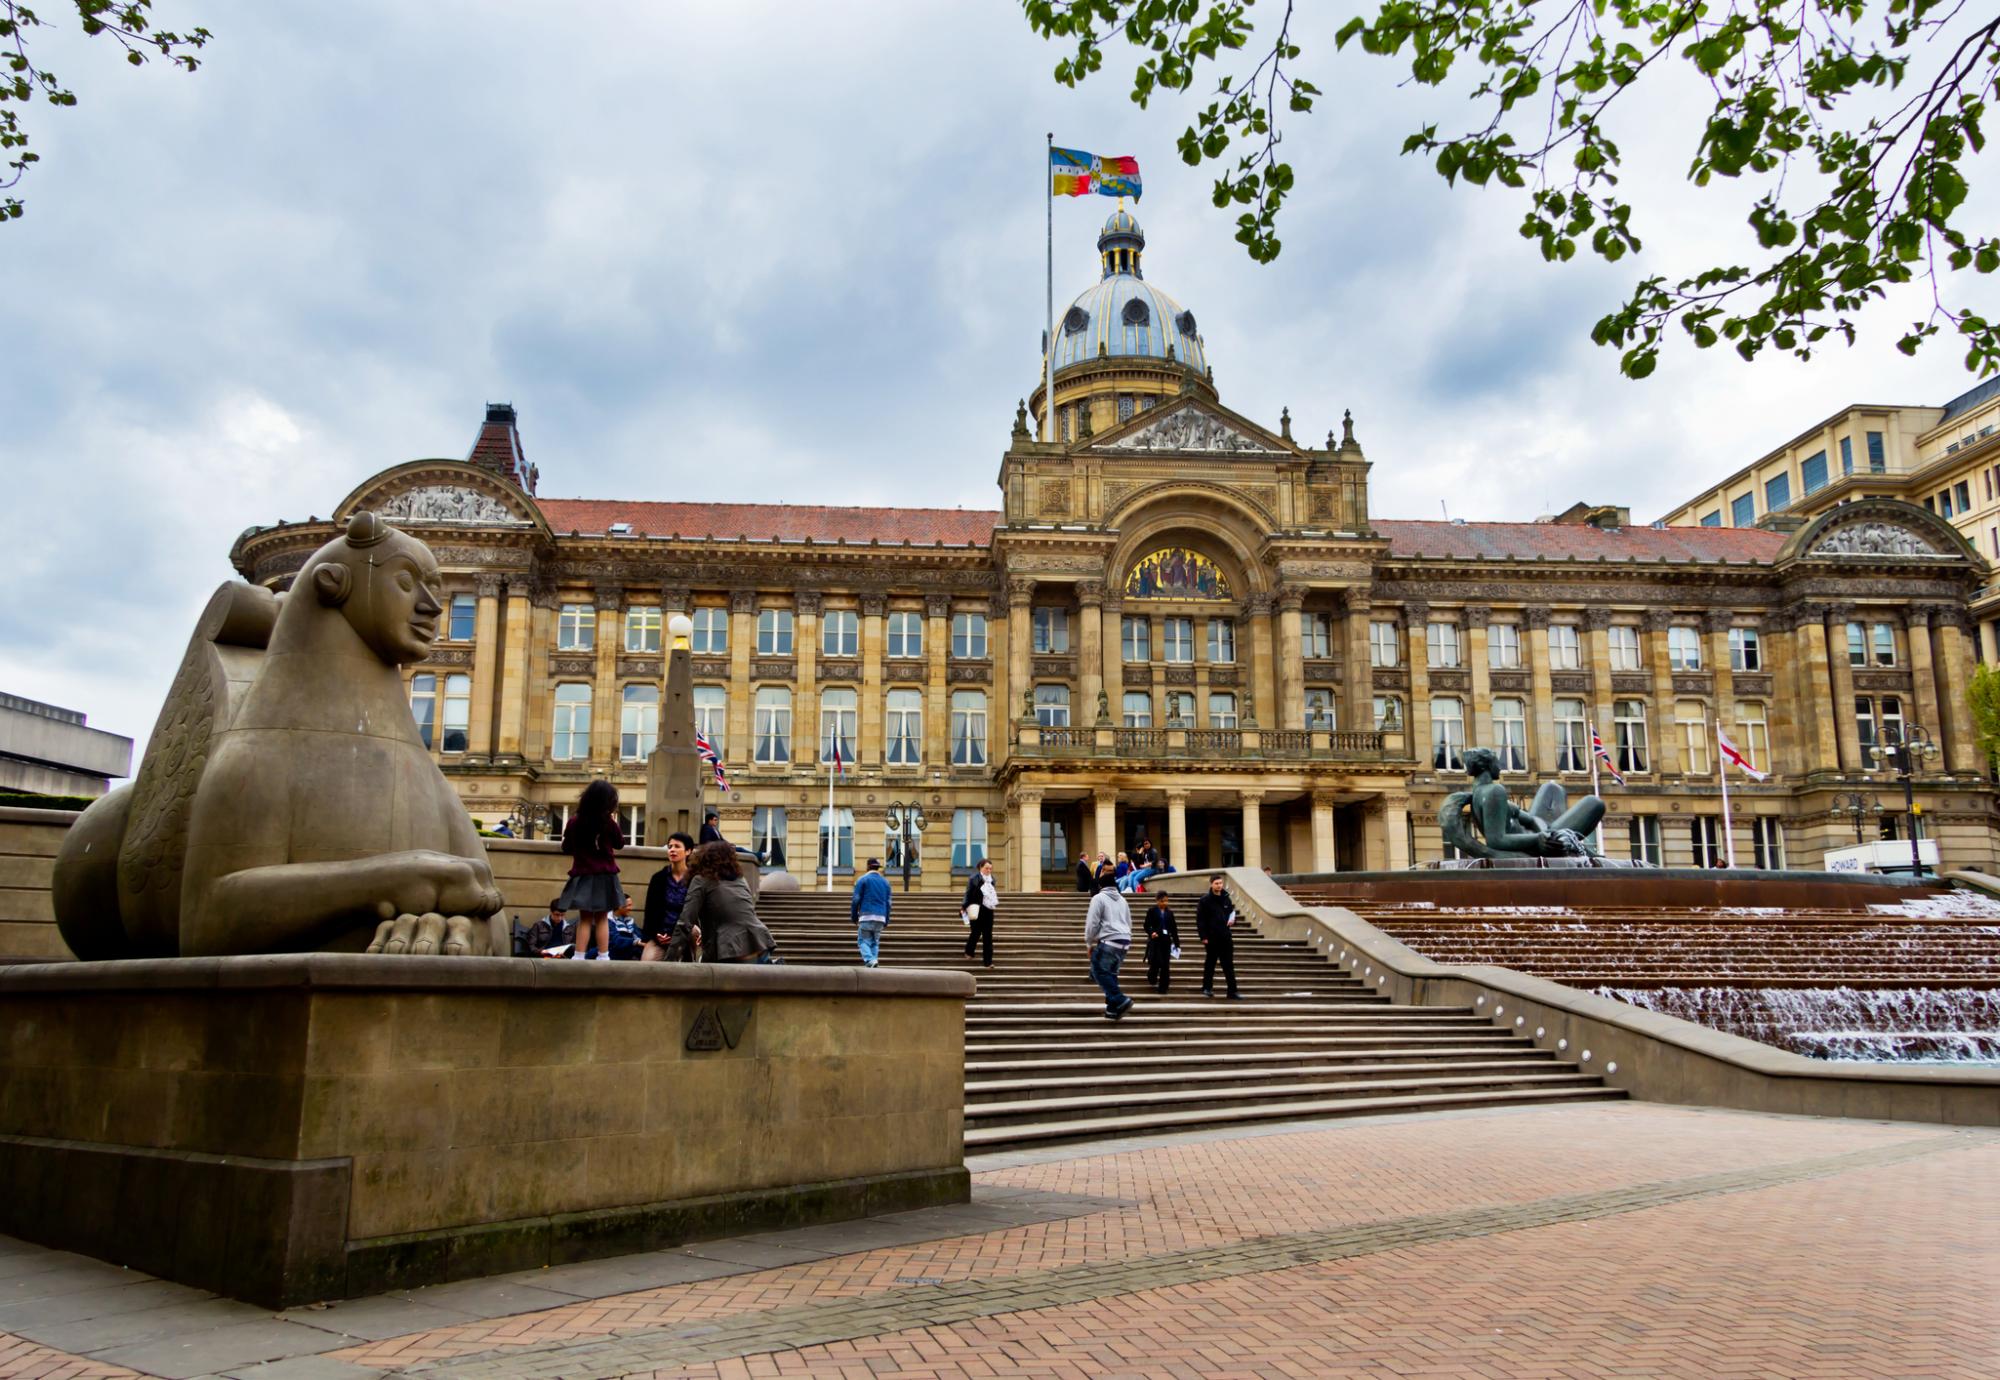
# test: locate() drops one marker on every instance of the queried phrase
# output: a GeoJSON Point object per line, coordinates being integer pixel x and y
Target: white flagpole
{"type": "Point", "coordinates": [832, 819]}
{"type": "Point", "coordinates": [1590, 751]}
{"type": "Point", "coordinates": [1049, 350]}
{"type": "Point", "coordinates": [1722, 775]}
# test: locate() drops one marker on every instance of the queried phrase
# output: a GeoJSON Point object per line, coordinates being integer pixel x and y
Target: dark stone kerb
{"type": "Point", "coordinates": [377, 972]}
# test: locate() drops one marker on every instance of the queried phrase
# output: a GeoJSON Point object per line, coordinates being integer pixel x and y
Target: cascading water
{"type": "Point", "coordinates": [1894, 1024]}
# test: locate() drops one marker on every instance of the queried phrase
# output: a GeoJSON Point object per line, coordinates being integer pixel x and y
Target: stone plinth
{"type": "Point", "coordinates": [291, 1128]}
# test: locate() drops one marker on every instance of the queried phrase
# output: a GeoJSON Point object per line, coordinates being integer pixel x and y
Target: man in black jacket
{"type": "Point", "coordinates": [980, 897]}
{"type": "Point", "coordinates": [1211, 925]}
{"type": "Point", "coordinates": [1086, 875]}
{"type": "Point", "coordinates": [1162, 935]}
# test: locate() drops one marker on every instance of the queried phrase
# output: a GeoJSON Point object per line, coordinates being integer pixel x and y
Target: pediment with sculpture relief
{"type": "Point", "coordinates": [1191, 427]}
{"type": "Point", "coordinates": [1879, 528]}
{"type": "Point", "coordinates": [443, 493]}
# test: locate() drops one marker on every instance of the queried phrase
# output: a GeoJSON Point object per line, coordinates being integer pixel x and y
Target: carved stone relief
{"type": "Point", "coordinates": [840, 670]}
{"type": "Point", "coordinates": [1690, 684]}
{"type": "Point", "coordinates": [1881, 680]}
{"type": "Point", "coordinates": [1222, 675]}
{"type": "Point", "coordinates": [638, 666]}
{"type": "Point", "coordinates": [1515, 682]}
{"type": "Point", "coordinates": [1450, 680]}
{"type": "Point", "coordinates": [1056, 666]}
{"type": "Point", "coordinates": [711, 668]}
{"type": "Point", "coordinates": [1190, 430]}
{"type": "Point", "coordinates": [449, 656]}
{"type": "Point", "coordinates": [1750, 684]}
{"type": "Point", "coordinates": [1055, 496]}
{"type": "Point", "coordinates": [1387, 678]}
{"type": "Point", "coordinates": [1630, 684]}
{"type": "Point", "coordinates": [1569, 683]}
{"type": "Point", "coordinates": [968, 673]}
{"type": "Point", "coordinates": [571, 665]}
{"type": "Point", "coordinates": [1874, 539]}
{"type": "Point", "coordinates": [1180, 675]}
{"type": "Point", "coordinates": [772, 670]}
{"type": "Point", "coordinates": [449, 503]}
{"type": "Point", "coordinates": [1140, 676]}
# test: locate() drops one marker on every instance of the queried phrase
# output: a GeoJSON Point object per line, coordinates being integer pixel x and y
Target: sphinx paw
{"type": "Point", "coordinates": [429, 935]}
{"type": "Point", "coordinates": [460, 934]}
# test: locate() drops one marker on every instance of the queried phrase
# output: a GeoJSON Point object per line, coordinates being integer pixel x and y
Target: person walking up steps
{"type": "Point", "coordinates": [1107, 931]}
{"type": "Point", "coordinates": [1163, 937]}
{"type": "Point", "coordinates": [590, 838]}
{"type": "Point", "coordinates": [1212, 918]}
{"type": "Point", "coordinates": [981, 899]}
{"type": "Point", "coordinates": [870, 912]}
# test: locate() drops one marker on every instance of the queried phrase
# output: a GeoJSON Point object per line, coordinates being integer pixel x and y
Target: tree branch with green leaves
{"type": "Point", "coordinates": [128, 23]}
{"type": "Point", "coordinates": [1857, 121]}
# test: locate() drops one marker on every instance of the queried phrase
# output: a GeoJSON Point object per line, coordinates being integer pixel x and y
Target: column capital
{"type": "Point", "coordinates": [1179, 798]}
{"type": "Point", "coordinates": [1596, 620]}
{"type": "Point", "coordinates": [808, 602]}
{"type": "Point", "coordinates": [1357, 598]}
{"type": "Point", "coordinates": [1020, 589]}
{"type": "Point", "coordinates": [488, 586]}
{"type": "Point", "coordinates": [1259, 605]}
{"type": "Point", "coordinates": [1023, 798]}
{"type": "Point", "coordinates": [519, 587]}
{"type": "Point", "coordinates": [1250, 798]}
{"type": "Point", "coordinates": [742, 601]}
{"type": "Point", "coordinates": [545, 598]}
{"type": "Point", "coordinates": [1657, 620]}
{"type": "Point", "coordinates": [1416, 612]}
{"type": "Point", "coordinates": [1478, 615]}
{"type": "Point", "coordinates": [1114, 603]}
{"type": "Point", "coordinates": [1291, 598]}
{"type": "Point", "coordinates": [1104, 795]}
{"type": "Point", "coordinates": [1837, 612]}
{"type": "Point", "coordinates": [937, 606]}
{"type": "Point", "coordinates": [874, 605]}
{"type": "Point", "coordinates": [1535, 616]}
{"type": "Point", "coordinates": [1718, 620]}
{"type": "Point", "coordinates": [674, 598]}
{"type": "Point", "coordinates": [1090, 593]}
{"type": "Point", "coordinates": [610, 598]}
{"type": "Point", "coordinates": [1325, 800]}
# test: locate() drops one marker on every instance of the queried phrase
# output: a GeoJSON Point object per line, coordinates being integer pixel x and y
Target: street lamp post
{"type": "Point", "coordinates": [1903, 755]}
{"type": "Point", "coordinates": [906, 821]}
{"type": "Point", "coordinates": [1856, 806]}
{"type": "Point", "coordinates": [529, 816]}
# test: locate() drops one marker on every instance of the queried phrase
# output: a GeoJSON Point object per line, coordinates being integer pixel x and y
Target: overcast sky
{"type": "Point", "coordinates": [745, 251]}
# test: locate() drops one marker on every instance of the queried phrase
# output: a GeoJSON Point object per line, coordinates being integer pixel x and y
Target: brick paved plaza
{"type": "Point", "coordinates": [1610, 1239]}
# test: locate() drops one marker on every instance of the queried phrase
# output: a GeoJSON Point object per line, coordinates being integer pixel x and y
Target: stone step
{"type": "Point", "coordinates": [1155, 1040]}
{"type": "Point", "coordinates": [1116, 1099]}
{"type": "Point", "coordinates": [1408, 1055]}
{"type": "Point", "coordinates": [981, 1091]}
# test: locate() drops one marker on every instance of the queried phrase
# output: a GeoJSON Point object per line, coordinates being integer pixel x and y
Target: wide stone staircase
{"type": "Point", "coordinates": [1044, 1066]}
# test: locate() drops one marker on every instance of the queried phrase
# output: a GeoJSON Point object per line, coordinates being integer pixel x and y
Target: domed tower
{"type": "Point", "coordinates": [1122, 346]}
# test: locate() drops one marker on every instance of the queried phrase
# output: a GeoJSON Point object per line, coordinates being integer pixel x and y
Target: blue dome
{"type": "Point", "coordinates": [1124, 316]}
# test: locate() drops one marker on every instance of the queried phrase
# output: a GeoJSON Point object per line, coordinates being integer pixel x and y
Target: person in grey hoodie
{"type": "Point", "coordinates": [1107, 930]}
{"type": "Point", "coordinates": [870, 912]}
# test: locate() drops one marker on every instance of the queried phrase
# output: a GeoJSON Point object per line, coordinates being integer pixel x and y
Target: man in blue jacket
{"type": "Point", "coordinates": [870, 911]}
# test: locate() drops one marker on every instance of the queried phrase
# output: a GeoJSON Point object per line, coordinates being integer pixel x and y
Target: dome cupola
{"type": "Point", "coordinates": [1122, 316]}
{"type": "Point", "coordinates": [1120, 244]}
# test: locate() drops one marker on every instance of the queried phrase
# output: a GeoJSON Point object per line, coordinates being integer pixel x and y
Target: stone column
{"type": "Point", "coordinates": [1106, 822]}
{"type": "Point", "coordinates": [1396, 825]}
{"type": "Point", "coordinates": [1847, 730]}
{"type": "Point", "coordinates": [1357, 675]}
{"type": "Point", "coordinates": [869, 747]}
{"type": "Point", "coordinates": [1954, 677]}
{"type": "Point", "coordinates": [1416, 614]}
{"type": "Point", "coordinates": [1110, 635]}
{"type": "Point", "coordinates": [1595, 623]}
{"type": "Point", "coordinates": [1262, 645]}
{"type": "Point", "coordinates": [536, 681]}
{"type": "Point", "coordinates": [937, 693]}
{"type": "Point", "coordinates": [1480, 724]}
{"type": "Point", "coordinates": [807, 605]}
{"type": "Point", "coordinates": [514, 678]}
{"type": "Point", "coordinates": [485, 665]}
{"type": "Point", "coordinates": [1291, 667]}
{"type": "Point", "coordinates": [1542, 713]}
{"type": "Point", "coordinates": [1253, 829]}
{"type": "Point", "coordinates": [1666, 747]}
{"type": "Point", "coordinates": [742, 639]}
{"type": "Point", "coordinates": [1177, 829]}
{"type": "Point", "coordinates": [1326, 853]}
{"type": "Point", "coordinates": [1923, 677]}
{"type": "Point", "coordinates": [1028, 839]}
{"type": "Point", "coordinates": [1089, 651]}
{"type": "Point", "coordinates": [607, 711]}
{"type": "Point", "coordinates": [1816, 718]}
{"type": "Point", "coordinates": [1716, 623]}
{"type": "Point", "coordinates": [1020, 635]}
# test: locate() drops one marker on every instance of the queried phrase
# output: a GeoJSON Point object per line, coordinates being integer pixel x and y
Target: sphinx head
{"type": "Point", "coordinates": [383, 582]}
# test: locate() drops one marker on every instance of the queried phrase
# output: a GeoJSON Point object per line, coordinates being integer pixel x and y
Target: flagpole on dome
{"type": "Point", "coordinates": [1049, 335]}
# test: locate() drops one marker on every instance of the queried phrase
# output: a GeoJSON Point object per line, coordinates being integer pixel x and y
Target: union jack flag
{"type": "Point", "coordinates": [1597, 746]}
{"type": "Point", "coordinates": [712, 757]}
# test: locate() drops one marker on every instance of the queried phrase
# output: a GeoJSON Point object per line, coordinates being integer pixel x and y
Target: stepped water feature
{"type": "Point", "coordinates": [1911, 980]}
{"type": "Point", "coordinates": [1307, 1040]}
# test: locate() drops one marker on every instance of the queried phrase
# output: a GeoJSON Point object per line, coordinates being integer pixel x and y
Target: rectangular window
{"type": "Point", "coordinates": [457, 713]}
{"type": "Point", "coordinates": [572, 724]}
{"type": "Point", "coordinates": [1962, 494]}
{"type": "Point", "coordinates": [1388, 714]}
{"type": "Point", "coordinates": [639, 722]}
{"type": "Point", "coordinates": [1316, 636]}
{"type": "Point", "coordinates": [968, 636]}
{"type": "Point", "coordinates": [1572, 736]}
{"type": "Point", "coordinates": [839, 720]}
{"type": "Point", "coordinates": [1705, 833]}
{"type": "Point", "coordinates": [1051, 629]}
{"type": "Point", "coordinates": [1383, 645]}
{"type": "Point", "coordinates": [968, 839]}
{"type": "Point", "coordinates": [1221, 710]}
{"type": "Point", "coordinates": [1767, 835]}
{"type": "Point", "coordinates": [711, 632]}
{"type": "Point", "coordinates": [1877, 460]}
{"type": "Point", "coordinates": [1753, 733]}
{"type": "Point", "coordinates": [774, 632]}
{"type": "Point", "coordinates": [1857, 645]}
{"type": "Point", "coordinates": [1624, 641]}
{"type": "Point", "coordinates": [1777, 492]}
{"type": "Point", "coordinates": [632, 819]}
{"type": "Point", "coordinates": [1510, 734]}
{"type": "Point", "coordinates": [1503, 646]}
{"type": "Point", "coordinates": [968, 728]}
{"type": "Point", "coordinates": [1135, 710]}
{"type": "Point", "coordinates": [1441, 641]}
{"type": "Point", "coordinates": [423, 706]}
{"type": "Point", "coordinates": [767, 834]}
{"type": "Point", "coordinates": [772, 730]}
{"type": "Point", "coordinates": [1847, 455]}
{"type": "Point", "coordinates": [1864, 723]}
{"type": "Point", "coordinates": [1944, 508]}
{"type": "Point", "coordinates": [1684, 648]}
{"type": "Point", "coordinates": [1052, 706]}
{"type": "Point", "coordinates": [711, 713]}
{"type": "Point", "coordinates": [1565, 647]}
{"type": "Point", "coordinates": [1177, 639]}
{"type": "Point", "coordinates": [1743, 511]}
{"type": "Point", "coordinates": [904, 725]}
{"type": "Point", "coordinates": [1136, 638]}
{"type": "Point", "coordinates": [642, 628]}
{"type": "Point", "coordinates": [1320, 709]}
{"type": "Point", "coordinates": [906, 634]}
{"type": "Point", "coordinates": [1691, 722]}
{"type": "Point", "coordinates": [1812, 472]}
{"type": "Point", "coordinates": [840, 633]}
{"type": "Point", "coordinates": [1885, 644]}
{"type": "Point", "coordinates": [1712, 519]}
{"type": "Point", "coordinates": [1745, 652]}
{"type": "Point", "coordinates": [1055, 846]}
{"type": "Point", "coordinates": [1447, 735]}
{"type": "Point", "coordinates": [464, 618]}
{"type": "Point", "coordinates": [1629, 718]}
{"type": "Point", "coordinates": [1644, 832]}
{"type": "Point", "coordinates": [836, 840]}
{"type": "Point", "coordinates": [1892, 719]}
{"type": "Point", "coordinates": [576, 628]}
{"type": "Point", "coordinates": [1221, 641]}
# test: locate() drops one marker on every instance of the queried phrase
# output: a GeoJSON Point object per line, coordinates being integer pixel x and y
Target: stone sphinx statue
{"type": "Point", "coordinates": [285, 802]}
{"type": "Point", "coordinates": [1551, 828]}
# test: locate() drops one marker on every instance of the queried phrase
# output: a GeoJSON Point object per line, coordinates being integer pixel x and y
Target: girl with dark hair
{"type": "Point", "coordinates": [590, 838]}
{"type": "Point", "coordinates": [719, 916]}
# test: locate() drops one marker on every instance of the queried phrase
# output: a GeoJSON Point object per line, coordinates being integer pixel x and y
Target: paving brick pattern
{"type": "Point", "coordinates": [1580, 1241]}
{"type": "Point", "coordinates": [21, 1359]}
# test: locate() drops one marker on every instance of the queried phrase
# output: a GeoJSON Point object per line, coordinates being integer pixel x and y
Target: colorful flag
{"type": "Point", "coordinates": [1597, 746]}
{"type": "Point", "coordinates": [1072, 172]}
{"type": "Point", "coordinates": [838, 765]}
{"type": "Point", "coordinates": [1733, 753]}
{"type": "Point", "coordinates": [712, 757]}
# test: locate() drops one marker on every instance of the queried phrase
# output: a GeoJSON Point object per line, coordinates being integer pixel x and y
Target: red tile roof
{"type": "Point", "coordinates": [1551, 541]}
{"type": "Point", "coordinates": [774, 521]}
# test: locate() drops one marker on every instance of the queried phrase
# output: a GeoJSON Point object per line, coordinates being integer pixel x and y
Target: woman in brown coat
{"type": "Point", "coordinates": [719, 916]}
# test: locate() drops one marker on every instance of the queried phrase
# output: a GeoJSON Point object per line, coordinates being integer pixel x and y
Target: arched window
{"type": "Point", "coordinates": [838, 716]}
{"type": "Point", "coordinates": [1136, 313]}
{"type": "Point", "coordinates": [1447, 734]}
{"type": "Point", "coordinates": [1076, 321]}
{"type": "Point", "coordinates": [904, 726]}
{"type": "Point", "coordinates": [1510, 734]}
{"type": "Point", "coordinates": [968, 728]}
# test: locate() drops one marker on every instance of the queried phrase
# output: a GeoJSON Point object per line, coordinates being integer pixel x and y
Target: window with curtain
{"type": "Point", "coordinates": [1572, 736]}
{"type": "Point", "coordinates": [1316, 635]}
{"type": "Point", "coordinates": [1684, 648]}
{"type": "Point", "coordinates": [893, 839]}
{"type": "Point", "coordinates": [1565, 647]}
{"type": "Point", "coordinates": [1383, 644]}
{"type": "Point", "coordinates": [1221, 710]}
{"type": "Point", "coordinates": [1628, 717]}
{"type": "Point", "coordinates": [632, 819]}
{"type": "Point", "coordinates": [903, 723]}
{"type": "Point", "coordinates": [1691, 722]}
{"type": "Point", "coordinates": [1050, 630]}
{"type": "Point", "coordinates": [968, 839]}
{"type": "Point", "coordinates": [1753, 733]}
{"type": "Point", "coordinates": [1388, 713]}
{"type": "Point", "coordinates": [1320, 709]}
{"type": "Point", "coordinates": [1624, 643]}
{"type": "Point", "coordinates": [639, 722]}
{"type": "Point", "coordinates": [767, 834]}
{"type": "Point", "coordinates": [1705, 834]}
{"type": "Point", "coordinates": [839, 720]}
{"type": "Point", "coordinates": [572, 724]}
{"type": "Point", "coordinates": [840, 633]}
{"type": "Point", "coordinates": [1767, 838]}
{"type": "Point", "coordinates": [1180, 709]}
{"type": "Point", "coordinates": [1885, 644]}
{"type": "Point", "coordinates": [1510, 733]}
{"type": "Point", "coordinates": [1857, 645]}
{"type": "Point", "coordinates": [1441, 640]}
{"type": "Point", "coordinates": [711, 713]}
{"type": "Point", "coordinates": [1177, 639]}
{"type": "Point", "coordinates": [423, 706]}
{"type": "Point", "coordinates": [772, 727]}
{"type": "Point", "coordinates": [1503, 647]}
{"type": "Point", "coordinates": [968, 728]}
{"type": "Point", "coordinates": [1136, 709]}
{"type": "Point", "coordinates": [1052, 706]}
{"type": "Point", "coordinates": [836, 839]}
{"type": "Point", "coordinates": [1448, 734]}
{"type": "Point", "coordinates": [1644, 832]}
